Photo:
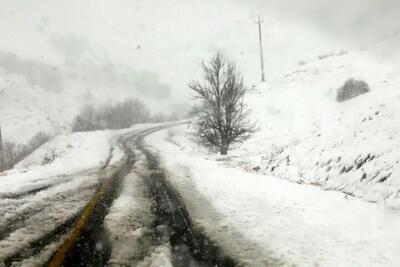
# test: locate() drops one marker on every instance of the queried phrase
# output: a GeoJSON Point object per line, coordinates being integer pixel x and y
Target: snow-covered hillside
{"type": "Point", "coordinates": [26, 109]}
{"type": "Point", "coordinates": [57, 160]}
{"type": "Point", "coordinates": [44, 93]}
{"type": "Point", "coordinates": [306, 136]}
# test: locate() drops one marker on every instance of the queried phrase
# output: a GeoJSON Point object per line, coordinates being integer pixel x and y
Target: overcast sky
{"type": "Point", "coordinates": [355, 20]}
{"type": "Point", "coordinates": [164, 41]}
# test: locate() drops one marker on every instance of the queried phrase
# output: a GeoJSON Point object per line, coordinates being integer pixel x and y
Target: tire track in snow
{"type": "Point", "coordinates": [87, 244]}
{"type": "Point", "coordinates": [190, 246]}
{"type": "Point", "coordinates": [34, 247]}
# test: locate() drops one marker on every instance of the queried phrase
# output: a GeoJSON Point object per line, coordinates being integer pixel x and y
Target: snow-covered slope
{"type": "Point", "coordinates": [56, 160]}
{"type": "Point", "coordinates": [308, 137]}
{"type": "Point", "coordinates": [40, 93]}
{"type": "Point", "coordinates": [26, 109]}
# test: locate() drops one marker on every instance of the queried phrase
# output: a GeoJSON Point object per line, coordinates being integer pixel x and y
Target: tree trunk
{"type": "Point", "coordinates": [224, 147]}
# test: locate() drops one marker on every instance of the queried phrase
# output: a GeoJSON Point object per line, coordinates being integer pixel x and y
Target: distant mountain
{"type": "Point", "coordinates": [45, 94]}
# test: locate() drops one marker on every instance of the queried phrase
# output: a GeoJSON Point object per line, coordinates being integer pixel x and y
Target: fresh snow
{"type": "Point", "coordinates": [56, 160]}
{"type": "Point", "coordinates": [26, 110]}
{"type": "Point", "coordinates": [129, 220]}
{"type": "Point", "coordinates": [306, 136]}
{"type": "Point", "coordinates": [260, 219]}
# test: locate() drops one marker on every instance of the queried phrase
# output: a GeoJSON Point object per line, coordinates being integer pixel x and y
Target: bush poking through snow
{"type": "Point", "coordinates": [352, 88]}
{"type": "Point", "coordinates": [13, 153]}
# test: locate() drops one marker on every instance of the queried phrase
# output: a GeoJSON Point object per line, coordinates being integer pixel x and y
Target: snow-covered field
{"type": "Point", "coordinates": [264, 220]}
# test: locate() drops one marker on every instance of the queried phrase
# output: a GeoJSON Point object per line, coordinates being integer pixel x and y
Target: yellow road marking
{"type": "Point", "coordinates": [63, 250]}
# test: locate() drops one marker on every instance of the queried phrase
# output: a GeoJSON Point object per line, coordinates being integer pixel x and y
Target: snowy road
{"type": "Point", "coordinates": [120, 213]}
{"type": "Point", "coordinates": [143, 199]}
{"type": "Point", "coordinates": [41, 204]}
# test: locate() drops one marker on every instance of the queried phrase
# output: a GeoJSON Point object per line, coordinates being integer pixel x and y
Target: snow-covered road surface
{"type": "Point", "coordinates": [42, 197]}
{"type": "Point", "coordinates": [191, 210]}
{"type": "Point", "coordinates": [267, 221]}
{"type": "Point", "coordinates": [118, 212]}
{"type": "Point", "coordinates": [46, 192]}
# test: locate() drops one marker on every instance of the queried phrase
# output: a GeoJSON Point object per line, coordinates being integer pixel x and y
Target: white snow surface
{"type": "Point", "coordinates": [306, 136]}
{"type": "Point", "coordinates": [52, 162]}
{"type": "Point", "coordinates": [128, 222]}
{"type": "Point", "coordinates": [261, 219]}
{"type": "Point", "coordinates": [25, 109]}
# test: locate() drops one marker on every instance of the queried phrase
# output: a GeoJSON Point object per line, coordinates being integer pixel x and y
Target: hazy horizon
{"type": "Point", "coordinates": [152, 49]}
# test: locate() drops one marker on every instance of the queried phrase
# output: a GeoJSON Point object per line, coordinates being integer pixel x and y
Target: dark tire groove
{"type": "Point", "coordinates": [93, 247]}
{"type": "Point", "coordinates": [190, 246]}
{"type": "Point", "coordinates": [20, 218]}
{"type": "Point", "coordinates": [36, 246]}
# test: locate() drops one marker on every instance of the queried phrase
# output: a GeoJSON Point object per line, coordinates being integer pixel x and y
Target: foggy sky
{"type": "Point", "coordinates": [162, 42]}
{"type": "Point", "coordinates": [355, 21]}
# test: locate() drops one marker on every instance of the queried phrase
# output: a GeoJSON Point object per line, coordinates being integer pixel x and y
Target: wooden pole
{"type": "Point", "coordinates": [2, 159]}
{"type": "Point", "coordinates": [259, 22]}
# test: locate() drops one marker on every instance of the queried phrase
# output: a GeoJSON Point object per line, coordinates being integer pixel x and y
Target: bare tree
{"type": "Point", "coordinates": [224, 118]}
{"type": "Point", "coordinates": [86, 120]}
{"type": "Point", "coordinates": [111, 116]}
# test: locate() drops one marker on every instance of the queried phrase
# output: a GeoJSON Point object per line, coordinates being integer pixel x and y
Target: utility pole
{"type": "Point", "coordinates": [2, 159]}
{"type": "Point", "coordinates": [259, 22]}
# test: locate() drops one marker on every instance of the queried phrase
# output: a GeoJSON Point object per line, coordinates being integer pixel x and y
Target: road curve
{"type": "Point", "coordinates": [83, 240]}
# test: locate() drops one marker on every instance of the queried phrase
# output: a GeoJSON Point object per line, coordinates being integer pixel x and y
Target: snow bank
{"type": "Point", "coordinates": [81, 150]}
{"type": "Point", "coordinates": [62, 156]}
{"type": "Point", "coordinates": [267, 221]}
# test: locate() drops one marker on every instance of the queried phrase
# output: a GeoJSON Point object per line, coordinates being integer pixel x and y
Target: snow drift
{"type": "Point", "coordinates": [55, 160]}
